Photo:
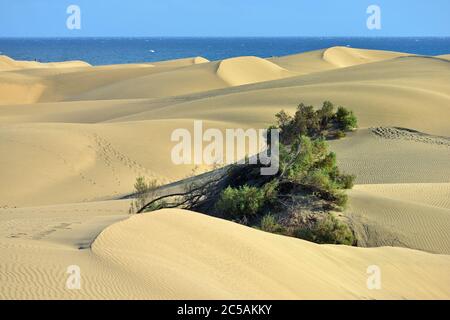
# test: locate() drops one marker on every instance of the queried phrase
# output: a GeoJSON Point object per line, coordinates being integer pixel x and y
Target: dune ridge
{"type": "Point", "coordinates": [246, 70]}
{"type": "Point", "coordinates": [176, 254]}
{"type": "Point", "coordinates": [8, 64]}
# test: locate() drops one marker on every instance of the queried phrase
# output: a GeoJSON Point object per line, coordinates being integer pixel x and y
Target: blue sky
{"type": "Point", "coordinates": [47, 18]}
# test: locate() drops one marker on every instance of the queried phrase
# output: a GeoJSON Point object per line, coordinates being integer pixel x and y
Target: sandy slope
{"type": "Point", "coordinates": [403, 194]}
{"type": "Point", "coordinates": [179, 254]}
{"type": "Point", "coordinates": [332, 58]}
{"type": "Point", "coordinates": [72, 133]}
{"type": "Point", "coordinates": [6, 64]}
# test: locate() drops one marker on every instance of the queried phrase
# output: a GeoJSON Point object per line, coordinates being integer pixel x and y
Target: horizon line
{"type": "Point", "coordinates": [207, 37]}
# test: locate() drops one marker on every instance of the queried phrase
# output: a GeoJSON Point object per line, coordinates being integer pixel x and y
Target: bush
{"type": "Point", "coordinates": [306, 120]}
{"type": "Point", "coordinates": [346, 119]}
{"type": "Point", "coordinates": [320, 180]}
{"type": "Point", "coordinates": [339, 198]}
{"type": "Point", "coordinates": [326, 114]}
{"type": "Point", "coordinates": [327, 231]}
{"type": "Point", "coordinates": [240, 202]}
{"type": "Point", "coordinates": [346, 181]}
{"type": "Point", "coordinates": [270, 224]}
{"type": "Point", "coordinates": [143, 192]}
{"type": "Point", "coordinates": [339, 134]}
{"type": "Point", "coordinates": [315, 124]}
{"type": "Point", "coordinates": [270, 191]}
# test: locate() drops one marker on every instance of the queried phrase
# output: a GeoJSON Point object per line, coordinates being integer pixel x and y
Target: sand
{"type": "Point", "coordinates": [73, 139]}
{"type": "Point", "coordinates": [175, 254]}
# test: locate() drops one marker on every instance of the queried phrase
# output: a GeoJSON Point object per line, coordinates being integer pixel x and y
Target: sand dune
{"type": "Point", "coordinates": [387, 93]}
{"type": "Point", "coordinates": [376, 160]}
{"type": "Point", "coordinates": [6, 64]}
{"type": "Point", "coordinates": [345, 57]}
{"type": "Point", "coordinates": [332, 58]}
{"type": "Point", "coordinates": [246, 70]}
{"type": "Point", "coordinates": [416, 220]}
{"type": "Point", "coordinates": [57, 82]}
{"type": "Point", "coordinates": [73, 133]}
{"type": "Point", "coordinates": [17, 88]}
{"type": "Point", "coordinates": [175, 254]}
{"type": "Point", "coordinates": [402, 194]}
{"type": "Point", "coordinates": [445, 56]}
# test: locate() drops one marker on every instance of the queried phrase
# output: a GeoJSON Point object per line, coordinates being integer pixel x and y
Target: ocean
{"type": "Point", "coordinates": [101, 51]}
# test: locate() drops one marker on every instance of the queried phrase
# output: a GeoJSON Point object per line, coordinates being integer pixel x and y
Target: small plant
{"type": "Point", "coordinates": [328, 230]}
{"type": "Point", "coordinates": [307, 121]}
{"type": "Point", "coordinates": [339, 134]}
{"type": "Point", "coordinates": [144, 190]}
{"type": "Point", "coordinates": [244, 201]}
{"type": "Point", "coordinates": [346, 181]}
{"type": "Point", "coordinates": [270, 224]}
{"type": "Point", "coordinates": [346, 119]}
{"type": "Point", "coordinates": [326, 114]}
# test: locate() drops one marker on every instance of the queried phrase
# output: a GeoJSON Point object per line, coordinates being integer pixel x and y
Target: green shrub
{"type": "Point", "coordinates": [315, 124]}
{"type": "Point", "coordinates": [240, 202]}
{"type": "Point", "coordinates": [326, 114]}
{"type": "Point", "coordinates": [339, 134]}
{"type": "Point", "coordinates": [144, 190]}
{"type": "Point", "coordinates": [346, 181]}
{"type": "Point", "coordinates": [306, 120]}
{"type": "Point", "coordinates": [320, 180]}
{"type": "Point", "coordinates": [270, 224]}
{"type": "Point", "coordinates": [270, 191]}
{"type": "Point", "coordinates": [346, 119]}
{"type": "Point", "coordinates": [327, 231]}
{"type": "Point", "coordinates": [339, 198]}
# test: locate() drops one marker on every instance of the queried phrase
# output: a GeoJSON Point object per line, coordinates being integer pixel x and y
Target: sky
{"type": "Point", "coordinates": [223, 18]}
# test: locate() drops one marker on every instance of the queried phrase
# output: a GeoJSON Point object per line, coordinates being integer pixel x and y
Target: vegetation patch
{"type": "Point", "coordinates": [299, 200]}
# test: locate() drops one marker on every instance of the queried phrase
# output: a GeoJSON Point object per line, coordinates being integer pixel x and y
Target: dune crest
{"type": "Point", "coordinates": [345, 57]}
{"type": "Point", "coordinates": [194, 255]}
{"type": "Point", "coordinates": [245, 70]}
{"type": "Point", "coordinates": [8, 64]}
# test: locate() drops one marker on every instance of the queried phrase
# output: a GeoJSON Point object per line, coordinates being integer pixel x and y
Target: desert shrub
{"type": "Point", "coordinates": [269, 224]}
{"type": "Point", "coordinates": [346, 181]}
{"type": "Point", "coordinates": [285, 123]}
{"type": "Point", "coordinates": [144, 190]}
{"type": "Point", "coordinates": [296, 161]}
{"type": "Point", "coordinates": [326, 114]}
{"type": "Point", "coordinates": [142, 186]}
{"type": "Point", "coordinates": [270, 191]}
{"type": "Point", "coordinates": [305, 122]}
{"type": "Point", "coordinates": [339, 198]}
{"type": "Point", "coordinates": [309, 163]}
{"type": "Point", "coordinates": [319, 180]}
{"type": "Point", "coordinates": [328, 230]}
{"type": "Point", "coordinates": [308, 122]}
{"type": "Point", "coordinates": [346, 119]}
{"type": "Point", "coordinates": [339, 134]}
{"type": "Point", "coordinates": [240, 202]}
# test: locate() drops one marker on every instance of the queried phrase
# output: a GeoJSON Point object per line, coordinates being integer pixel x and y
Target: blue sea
{"type": "Point", "coordinates": [101, 51]}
